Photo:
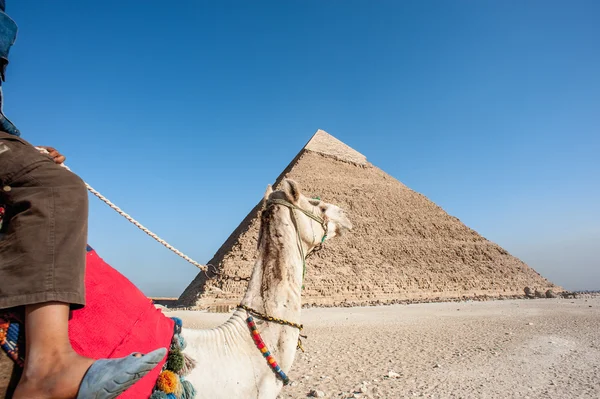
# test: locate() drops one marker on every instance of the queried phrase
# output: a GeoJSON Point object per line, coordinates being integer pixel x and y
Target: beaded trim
{"type": "Point", "coordinates": [260, 344]}
{"type": "Point", "coordinates": [12, 338]}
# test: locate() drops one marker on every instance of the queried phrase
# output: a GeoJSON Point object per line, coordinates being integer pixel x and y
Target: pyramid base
{"type": "Point", "coordinates": [226, 303]}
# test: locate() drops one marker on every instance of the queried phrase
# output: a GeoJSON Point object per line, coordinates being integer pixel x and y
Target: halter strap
{"type": "Point", "coordinates": [318, 219]}
{"type": "Point", "coordinates": [311, 215]}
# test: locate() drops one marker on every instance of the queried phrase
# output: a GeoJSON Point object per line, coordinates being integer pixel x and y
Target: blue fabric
{"type": "Point", "coordinates": [5, 124]}
{"type": "Point", "coordinates": [8, 35]}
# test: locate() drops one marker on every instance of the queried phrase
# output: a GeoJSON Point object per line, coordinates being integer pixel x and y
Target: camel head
{"type": "Point", "coordinates": [330, 220]}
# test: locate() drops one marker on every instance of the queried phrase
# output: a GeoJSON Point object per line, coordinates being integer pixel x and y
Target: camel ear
{"type": "Point", "coordinates": [268, 192]}
{"type": "Point", "coordinates": [291, 190]}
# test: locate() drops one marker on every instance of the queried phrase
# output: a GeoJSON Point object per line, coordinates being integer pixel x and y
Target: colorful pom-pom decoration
{"type": "Point", "coordinates": [167, 381]}
{"type": "Point", "coordinates": [188, 390]}
{"type": "Point", "coordinates": [178, 342]}
{"type": "Point", "coordinates": [158, 395]}
{"type": "Point", "coordinates": [175, 361]}
{"type": "Point", "coordinates": [170, 383]}
{"type": "Point", "coordinates": [177, 321]}
{"type": "Point", "coordinates": [178, 325]}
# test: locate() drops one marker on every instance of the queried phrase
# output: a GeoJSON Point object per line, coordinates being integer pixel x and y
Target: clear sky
{"type": "Point", "coordinates": [182, 112]}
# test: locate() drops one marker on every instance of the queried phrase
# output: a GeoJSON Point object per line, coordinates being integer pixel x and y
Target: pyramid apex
{"type": "Point", "coordinates": [324, 143]}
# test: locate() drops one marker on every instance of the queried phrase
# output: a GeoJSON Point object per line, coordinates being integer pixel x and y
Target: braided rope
{"type": "Point", "coordinates": [278, 321]}
{"type": "Point", "coordinates": [145, 230]}
{"type": "Point", "coordinates": [271, 318]}
{"type": "Point", "coordinates": [135, 222]}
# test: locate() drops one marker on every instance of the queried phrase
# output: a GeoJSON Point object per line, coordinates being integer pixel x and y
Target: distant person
{"type": "Point", "coordinates": [42, 265]}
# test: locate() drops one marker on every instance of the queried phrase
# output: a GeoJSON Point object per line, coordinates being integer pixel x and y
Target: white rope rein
{"type": "Point", "coordinates": [135, 222]}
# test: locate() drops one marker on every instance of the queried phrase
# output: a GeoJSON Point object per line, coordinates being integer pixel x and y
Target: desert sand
{"type": "Point", "coordinates": [543, 348]}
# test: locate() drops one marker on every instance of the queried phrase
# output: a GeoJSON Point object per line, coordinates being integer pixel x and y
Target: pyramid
{"type": "Point", "coordinates": [403, 247]}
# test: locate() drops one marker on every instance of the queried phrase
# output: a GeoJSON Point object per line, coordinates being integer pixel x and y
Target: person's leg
{"type": "Point", "coordinates": [42, 263]}
{"type": "Point", "coordinates": [52, 368]}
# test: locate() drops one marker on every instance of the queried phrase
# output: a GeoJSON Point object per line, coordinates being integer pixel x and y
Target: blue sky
{"type": "Point", "coordinates": [182, 112]}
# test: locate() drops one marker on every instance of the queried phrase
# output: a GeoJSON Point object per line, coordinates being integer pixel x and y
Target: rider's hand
{"type": "Point", "coordinates": [57, 156]}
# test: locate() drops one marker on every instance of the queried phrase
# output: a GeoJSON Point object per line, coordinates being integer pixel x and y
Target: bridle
{"type": "Point", "coordinates": [322, 221]}
{"type": "Point", "coordinates": [250, 320]}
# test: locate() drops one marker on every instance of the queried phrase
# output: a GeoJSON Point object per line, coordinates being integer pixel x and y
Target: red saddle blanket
{"type": "Point", "coordinates": [118, 319]}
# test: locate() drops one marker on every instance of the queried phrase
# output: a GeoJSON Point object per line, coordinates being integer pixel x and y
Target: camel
{"type": "Point", "coordinates": [228, 362]}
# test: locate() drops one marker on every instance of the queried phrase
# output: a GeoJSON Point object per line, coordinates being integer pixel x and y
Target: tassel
{"type": "Point", "coordinates": [182, 343]}
{"type": "Point", "coordinates": [300, 346]}
{"type": "Point", "coordinates": [178, 325]}
{"type": "Point", "coordinates": [178, 342]}
{"type": "Point", "coordinates": [167, 382]}
{"type": "Point", "coordinates": [175, 361]}
{"type": "Point", "coordinates": [158, 395]}
{"type": "Point", "coordinates": [188, 390]}
{"type": "Point", "coordinates": [178, 389]}
{"type": "Point", "coordinates": [188, 365]}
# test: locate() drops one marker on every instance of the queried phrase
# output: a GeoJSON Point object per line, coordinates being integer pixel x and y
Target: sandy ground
{"type": "Point", "coordinates": [543, 348]}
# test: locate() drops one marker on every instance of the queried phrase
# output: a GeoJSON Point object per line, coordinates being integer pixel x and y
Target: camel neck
{"type": "Point", "coordinates": [276, 283]}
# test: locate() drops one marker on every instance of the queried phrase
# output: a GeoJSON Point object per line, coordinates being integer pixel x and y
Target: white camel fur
{"type": "Point", "coordinates": [229, 365]}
